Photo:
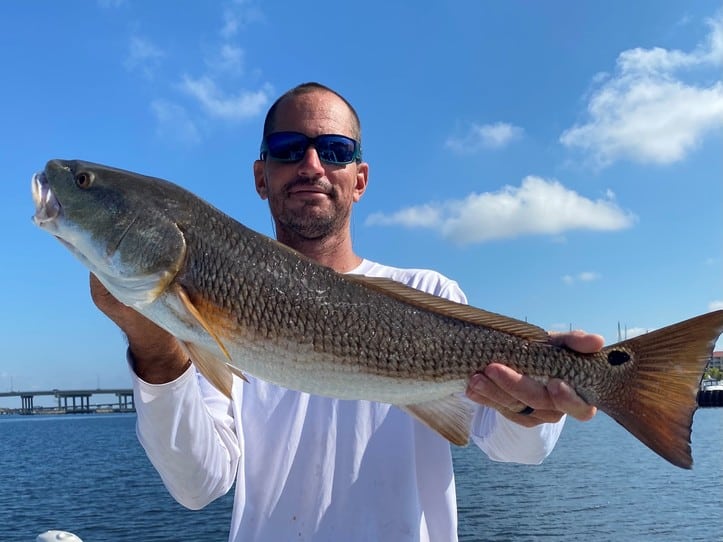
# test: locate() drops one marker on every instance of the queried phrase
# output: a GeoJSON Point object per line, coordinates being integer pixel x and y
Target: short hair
{"type": "Point", "coordinates": [307, 88]}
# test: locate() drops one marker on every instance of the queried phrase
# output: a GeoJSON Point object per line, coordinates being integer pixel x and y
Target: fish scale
{"type": "Point", "coordinates": [241, 302]}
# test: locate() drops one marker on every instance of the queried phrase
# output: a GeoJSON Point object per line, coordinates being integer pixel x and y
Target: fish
{"type": "Point", "coordinates": [242, 303]}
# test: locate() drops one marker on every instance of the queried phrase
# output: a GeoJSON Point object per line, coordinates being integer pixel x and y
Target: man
{"type": "Point", "coordinates": [309, 467]}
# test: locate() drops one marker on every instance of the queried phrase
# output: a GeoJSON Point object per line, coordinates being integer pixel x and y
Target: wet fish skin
{"type": "Point", "coordinates": [233, 295]}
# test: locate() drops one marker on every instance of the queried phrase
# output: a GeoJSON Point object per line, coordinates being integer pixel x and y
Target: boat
{"type": "Point", "coordinates": [711, 393]}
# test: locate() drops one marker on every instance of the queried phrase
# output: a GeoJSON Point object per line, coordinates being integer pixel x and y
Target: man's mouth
{"type": "Point", "coordinates": [308, 188]}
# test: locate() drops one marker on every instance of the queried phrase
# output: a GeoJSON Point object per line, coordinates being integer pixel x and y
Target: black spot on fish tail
{"type": "Point", "coordinates": [618, 357]}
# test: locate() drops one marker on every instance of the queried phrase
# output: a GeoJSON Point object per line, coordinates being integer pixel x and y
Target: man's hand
{"type": "Point", "coordinates": [157, 356]}
{"type": "Point", "coordinates": [511, 393]}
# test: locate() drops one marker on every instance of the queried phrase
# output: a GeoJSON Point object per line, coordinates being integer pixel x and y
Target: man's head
{"type": "Point", "coordinates": [311, 190]}
{"type": "Point", "coordinates": [306, 88]}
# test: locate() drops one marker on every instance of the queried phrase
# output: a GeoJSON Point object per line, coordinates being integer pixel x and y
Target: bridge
{"type": "Point", "coordinates": [80, 400]}
{"type": "Point", "coordinates": [74, 401]}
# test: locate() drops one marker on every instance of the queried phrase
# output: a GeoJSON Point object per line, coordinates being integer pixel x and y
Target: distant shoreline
{"type": "Point", "coordinates": [54, 411]}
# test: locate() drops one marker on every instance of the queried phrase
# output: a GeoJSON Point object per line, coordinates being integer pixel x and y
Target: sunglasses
{"type": "Point", "coordinates": [291, 147]}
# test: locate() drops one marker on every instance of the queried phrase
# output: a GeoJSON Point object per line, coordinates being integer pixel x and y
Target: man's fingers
{"type": "Point", "coordinates": [484, 391]}
{"type": "Point", "coordinates": [125, 317]}
{"type": "Point", "coordinates": [510, 393]}
{"type": "Point", "coordinates": [523, 389]}
{"type": "Point", "coordinates": [101, 297]}
{"type": "Point", "coordinates": [566, 400]}
{"type": "Point", "coordinates": [585, 343]}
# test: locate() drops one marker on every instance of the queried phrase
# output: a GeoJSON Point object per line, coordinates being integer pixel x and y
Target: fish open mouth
{"type": "Point", "coordinates": [47, 206]}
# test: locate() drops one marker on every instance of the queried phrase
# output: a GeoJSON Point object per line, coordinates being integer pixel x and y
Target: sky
{"type": "Point", "coordinates": [560, 160]}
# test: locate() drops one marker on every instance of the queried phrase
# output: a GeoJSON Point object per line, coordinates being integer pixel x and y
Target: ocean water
{"type": "Point", "coordinates": [600, 483]}
{"type": "Point", "coordinates": [87, 474]}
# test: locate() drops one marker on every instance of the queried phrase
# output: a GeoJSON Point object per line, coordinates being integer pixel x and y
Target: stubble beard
{"type": "Point", "coordinates": [311, 222]}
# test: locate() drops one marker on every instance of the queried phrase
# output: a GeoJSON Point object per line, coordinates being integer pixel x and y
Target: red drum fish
{"type": "Point", "coordinates": [242, 302]}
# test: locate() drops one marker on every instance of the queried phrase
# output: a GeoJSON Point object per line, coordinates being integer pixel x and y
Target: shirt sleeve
{"type": "Point", "coordinates": [502, 439]}
{"type": "Point", "coordinates": [186, 428]}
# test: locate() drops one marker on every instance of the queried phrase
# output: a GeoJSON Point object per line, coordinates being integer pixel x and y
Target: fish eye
{"type": "Point", "coordinates": [83, 179]}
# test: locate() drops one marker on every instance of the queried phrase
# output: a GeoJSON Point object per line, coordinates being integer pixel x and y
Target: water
{"type": "Point", "coordinates": [600, 483]}
{"type": "Point", "coordinates": [88, 475]}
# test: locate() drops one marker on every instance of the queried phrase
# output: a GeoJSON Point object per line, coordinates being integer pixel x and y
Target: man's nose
{"type": "Point", "coordinates": [311, 165]}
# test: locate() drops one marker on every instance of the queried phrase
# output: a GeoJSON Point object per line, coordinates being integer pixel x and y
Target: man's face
{"type": "Point", "coordinates": [311, 199]}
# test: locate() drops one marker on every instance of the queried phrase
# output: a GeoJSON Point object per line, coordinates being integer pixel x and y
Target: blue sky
{"type": "Point", "coordinates": [560, 160]}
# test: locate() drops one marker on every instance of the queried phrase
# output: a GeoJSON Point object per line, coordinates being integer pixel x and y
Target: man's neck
{"type": "Point", "coordinates": [335, 252]}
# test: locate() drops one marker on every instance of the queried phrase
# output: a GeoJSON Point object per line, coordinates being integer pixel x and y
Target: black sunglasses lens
{"type": "Point", "coordinates": [291, 147]}
{"type": "Point", "coordinates": [336, 149]}
{"type": "Point", "coordinates": [287, 147]}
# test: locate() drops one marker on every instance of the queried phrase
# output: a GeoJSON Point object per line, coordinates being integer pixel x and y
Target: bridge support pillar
{"type": "Point", "coordinates": [125, 402]}
{"type": "Point", "coordinates": [27, 404]}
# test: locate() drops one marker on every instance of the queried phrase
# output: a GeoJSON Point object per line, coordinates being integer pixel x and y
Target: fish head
{"type": "Point", "coordinates": [119, 224]}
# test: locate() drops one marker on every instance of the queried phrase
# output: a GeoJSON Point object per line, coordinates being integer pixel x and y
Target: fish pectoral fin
{"type": "Point", "coordinates": [194, 312]}
{"type": "Point", "coordinates": [452, 309]}
{"type": "Point", "coordinates": [237, 372]}
{"type": "Point", "coordinates": [450, 416]}
{"type": "Point", "coordinates": [217, 371]}
{"type": "Point", "coordinates": [214, 370]}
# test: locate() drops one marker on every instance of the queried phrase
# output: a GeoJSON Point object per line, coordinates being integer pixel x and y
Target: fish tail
{"type": "Point", "coordinates": [659, 396]}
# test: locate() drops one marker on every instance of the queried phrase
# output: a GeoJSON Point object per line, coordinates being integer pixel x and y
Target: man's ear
{"type": "Point", "coordinates": [260, 179]}
{"type": "Point", "coordinates": [362, 179]}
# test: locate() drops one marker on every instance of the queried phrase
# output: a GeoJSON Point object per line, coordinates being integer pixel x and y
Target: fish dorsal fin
{"type": "Point", "coordinates": [452, 309]}
{"type": "Point", "coordinates": [215, 369]}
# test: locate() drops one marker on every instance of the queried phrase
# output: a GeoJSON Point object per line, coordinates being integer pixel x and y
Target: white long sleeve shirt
{"type": "Point", "coordinates": [315, 468]}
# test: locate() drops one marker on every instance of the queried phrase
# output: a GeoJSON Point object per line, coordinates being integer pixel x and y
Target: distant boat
{"type": "Point", "coordinates": [711, 393]}
{"type": "Point", "coordinates": [711, 385]}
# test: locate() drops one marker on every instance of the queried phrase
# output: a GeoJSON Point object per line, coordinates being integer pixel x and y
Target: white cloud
{"type": "Point", "coordinates": [174, 124]}
{"type": "Point", "coordinates": [537, 207]}
{"type": "Point", "coordinates": [243, 105]}
{"type": "Point", "coordinates": [237, 16]}
{"type": "Point", "coordinates": [585, 276]}
{"type": "Point", "coordinates": [412, 217]}
{"type": "Point", "coordinates": [228, 59]}
{"type": "Point", "coordinates": [231, 24]}
{"type": "Point", "coordinates": [205, 97]}
{"type": "Point", "coordinates": [646, 111]}
{"type": "Point", "coordinates": [715, 305]}
{"type": "Point", "coordinates": [484, 136]}
{"type": "Point", "coordinates": [143, 56]}
{"type": "Point", "coordinates": [630, 332]}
